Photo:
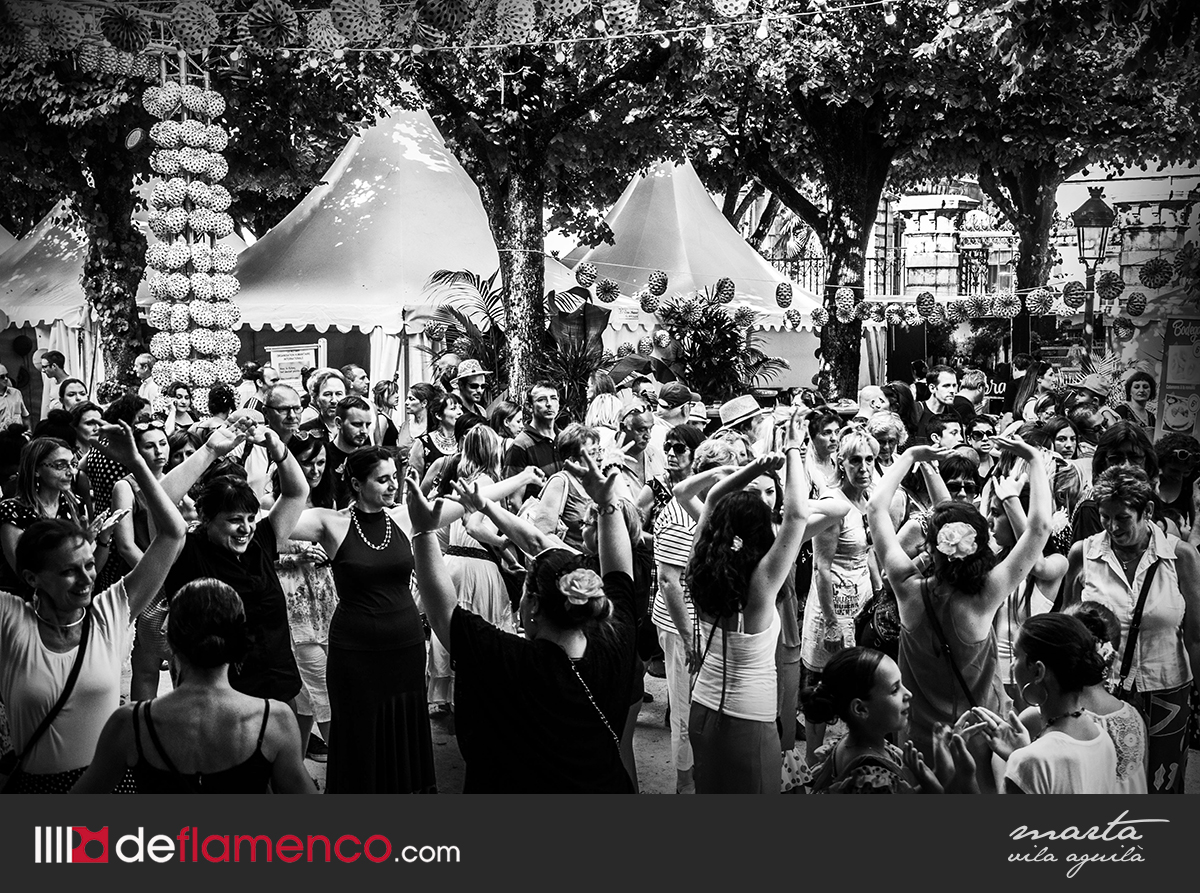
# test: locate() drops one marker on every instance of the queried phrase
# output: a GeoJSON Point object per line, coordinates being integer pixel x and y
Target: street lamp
{"type": "Point", "coordinates": [1093, 220]}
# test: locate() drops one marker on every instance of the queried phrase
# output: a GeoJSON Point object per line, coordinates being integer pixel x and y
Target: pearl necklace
{"type": "Point", "coordinates": [387, 531]}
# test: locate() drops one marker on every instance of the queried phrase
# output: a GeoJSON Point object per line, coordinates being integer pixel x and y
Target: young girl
{"type": "Point", "coordinates": [862, 687]}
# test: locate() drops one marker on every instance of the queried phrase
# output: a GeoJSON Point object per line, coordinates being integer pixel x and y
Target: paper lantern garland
{"type": "Point", "coordinates": [1074, 294]}
{"type": "Point", "coordinates": [585, 274]}
{"type": "Point", "coordinates": [1135, 304]}
{"type": "Point", "coordinates": [359, 21]}
{"type": "Point", "coordinates": [783, 294]}
{"type": "Point", "coordinates": [60, 27]}
{"type": "Point", "coordinates": [272, 24]}
{"type": "Point", "coordinates": [125, 28]}
{"type": "Point", "coordinates": [195, 25]}
{"type": "Point", "coordinates": [1155, 273]}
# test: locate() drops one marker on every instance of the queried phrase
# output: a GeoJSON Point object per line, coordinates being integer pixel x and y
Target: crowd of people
{"type": "Point", "coordinates": [907, 593]}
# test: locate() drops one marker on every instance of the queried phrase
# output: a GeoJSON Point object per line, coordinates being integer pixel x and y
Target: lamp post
{"type": "Point", "coordinates": [1093, 220]}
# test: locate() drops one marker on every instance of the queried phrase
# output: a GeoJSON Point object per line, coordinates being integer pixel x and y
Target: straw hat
{"type": "Point", "coordinates": [469, 369]}
{"type": "Point", "coordinates": [739, 409]}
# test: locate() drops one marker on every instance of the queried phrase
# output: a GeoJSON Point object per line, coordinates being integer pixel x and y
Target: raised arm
{"type": "Point", "coordinates": [148, 575]}
{"type": "Point", "coordinates": [768, 578]}
{"type": "Point", "coordinates": [123, 536]}
{"type": "Point", "coordinates": [437, 589]}
{"type": "Point", "coordinates": [521, 533]}
{"type": "Point", "coordinates": [220, 443]}
{"type": "Point", "coordinates": [897, 566]}
{"type": "Point", "coordinates": [1019, 562]}
{"type": "Point", "coordinates": [293, 486]}
{"type": "Point", "coordinates": [687, 492]}
{"type": "Point", "coordinates": [616, 551]}
{"type": "Point", "coordinates": [735, 482]}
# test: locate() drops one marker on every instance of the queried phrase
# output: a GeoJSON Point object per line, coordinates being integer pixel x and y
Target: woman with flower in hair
{"type": "Point", "coordinates": [947, 642]}
{"type": "Point", "coordinates": [738, 567]}
{"type": "Point", "coordinates": [540, 714]}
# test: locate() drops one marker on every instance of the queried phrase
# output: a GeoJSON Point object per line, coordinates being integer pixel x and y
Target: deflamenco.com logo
{"type": "Point", "coordinates": [77, 844]}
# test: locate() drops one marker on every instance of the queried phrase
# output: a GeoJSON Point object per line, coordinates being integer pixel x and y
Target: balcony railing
{"type": "Point", "coordinates": [884, 273]}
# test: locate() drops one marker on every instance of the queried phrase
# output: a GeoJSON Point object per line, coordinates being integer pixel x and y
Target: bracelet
{"type": "Point", "coordinates": [610, 509]}
{"type": "Point", "coordinates": [282, 458]}
{"type": "Point", "coordinates": [421, 533]}
{"type": "Point", "coordinates": [798, 449]}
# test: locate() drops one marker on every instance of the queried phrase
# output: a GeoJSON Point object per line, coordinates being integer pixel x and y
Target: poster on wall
{"type": "Point", "coordinates": [290, 359]}
{"type": "Point", "coordinates": [1179, 394]}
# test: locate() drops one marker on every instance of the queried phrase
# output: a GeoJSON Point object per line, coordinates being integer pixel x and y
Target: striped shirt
{"type": "Point", "coordinates": [673, 529]}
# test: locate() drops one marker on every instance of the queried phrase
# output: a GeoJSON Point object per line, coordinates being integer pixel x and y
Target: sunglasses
{"type": "Point", "coordinates": [62, 464]}
{"type": "Point", "coordinates": [318, 433]}
{"type": "Point", "coordinates": [1181, 455]}
{"type": "Point", "coordinates": [677, 448]}
{"type": "Point", "coordinates": [981, 435]}
{"type": "Point", "coordinates": [146, 426]}
{"type": "Point", "coordinates": [968, 487]}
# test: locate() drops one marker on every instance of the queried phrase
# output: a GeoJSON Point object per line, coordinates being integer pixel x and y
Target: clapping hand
{"type": "Point", "coordinates": [602, 490]}
{"type": "Point", "coordinates": [1005, 736]}
{"type": "Point", "coordinates": [470, 497]}
{"type": "Point", "coordinates": [952, 760]}
{"type": "Point", "coordinates": [923, 452]}
{"type": "Point", "coordinates": [116, 442]}
{"type": "Point", "coordinates": [1010, 485]}
{"type": "Point", "coordinates": [1015, 444]}
{"type": "Point", "coordinates": [533, 476]}
{"type": "Point", "coordinates": [768, 463]}
{"type": "Point", "coordinates": [225, 439]}
{"type": "Point", "coordinates": [930, 783]}
{"type": "Point", "coordinates": [424, 516]}
{"type": "Point", "coordinates": [794, 431]}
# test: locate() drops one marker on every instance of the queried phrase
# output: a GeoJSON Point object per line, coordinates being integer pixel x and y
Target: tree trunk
{"type": "Point", "coordinates": [770, 212]}
{"type": "Point", "coordinates": [1026, 196]}
{"type": "Point", "coordinates": [841, 343]}
{"type": "Point", "coordinates": [518, 227]}
{"type": "Point", "coordinates": [116, 256]}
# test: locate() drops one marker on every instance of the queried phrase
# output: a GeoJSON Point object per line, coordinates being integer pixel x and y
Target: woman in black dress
{"type": "Point", "coordinates": [380, 740]}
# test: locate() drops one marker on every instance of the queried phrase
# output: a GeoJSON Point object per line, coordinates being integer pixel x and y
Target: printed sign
{"type": "Point", "coordinates": [1179, 392]}
{"type": "Point", "coordinates": [289, 359]}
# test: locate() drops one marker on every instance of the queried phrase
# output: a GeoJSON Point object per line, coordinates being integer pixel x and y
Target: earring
{"type": "Point", "coordinates": [1028, 700]}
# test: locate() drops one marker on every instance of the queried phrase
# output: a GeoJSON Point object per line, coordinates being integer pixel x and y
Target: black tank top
{"type": "Point", "coordinates": [248, 777]}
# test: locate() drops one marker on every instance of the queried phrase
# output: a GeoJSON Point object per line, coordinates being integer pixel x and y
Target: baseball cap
{"type": "Point", "coordinates": [674, 394]}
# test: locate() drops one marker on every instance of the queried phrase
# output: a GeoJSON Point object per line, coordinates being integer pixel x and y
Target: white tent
{"type": "Point", "coordinates": [7, 240]}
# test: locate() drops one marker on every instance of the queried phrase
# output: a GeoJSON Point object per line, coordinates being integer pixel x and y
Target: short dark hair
{"type": "Point", "coordinates": [820, 418]}
{"type": "Point", "coordinates": [55, 358]}
{"type": "Point", "coordinates": [1126, 485]}
{"type": "Point", "coordinates": [226, 493]}
{"type": "Point", "coordinates": [541, 383]}
{"type": "Point", "coordinates": [66, 383]}
{"type": "Point", "coordinates": [1022, 361]}
{"type": "Point", "coordinates": [42, 537]}
{"type": "Point", "coordinates": [125, 408]}
{"type": "Point", "coordinates": [221, 398]}
{"type": "Point", "coordinates": [436, 407]}
{"type": "Point", "coordinates": [348, 403]}
{"type": "Point", "coordinates": [1120, 435]}
{"type": "Point", "coordinates": [939, 423]}
{"type": "Point", "coordinates": [935, 372]}
{"type": "Point", "coordinates": [1141, 376]}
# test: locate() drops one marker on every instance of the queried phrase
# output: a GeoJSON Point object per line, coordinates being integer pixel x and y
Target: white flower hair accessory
{"type": "Point", "coordinates": [1105, 650]}
{"type": "Point", "coordinates": [737, 544]}
{"type": "Point", "coordinates": [956, 540]}
{"type": "Point", "coordinates": [581, 586]}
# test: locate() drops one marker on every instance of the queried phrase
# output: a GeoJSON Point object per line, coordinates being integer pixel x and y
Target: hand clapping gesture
{"type": "Point", "coordinates": [225, 439]}
{"type": "Point", "coordinates": [602, 490]}
{"type": "Point", "coordinates": [470, 497]}
{"type": "Point", "coordinates": [425, 517]}
{"type": "Point", "coordinates": [923, 452]}
{"type": "Point", "coordinates": [1005, 736]}
{"type": "Point", "coordinates": [1015, 444]}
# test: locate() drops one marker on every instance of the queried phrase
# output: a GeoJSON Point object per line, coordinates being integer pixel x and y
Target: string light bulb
{"type": "Point", "coordinates": [663, 40]}
{"type": "Point", "coordinates": [952, 9]}
{"type": "Point", "coordinates": [559, 55]}
{"type": "Point", "coordinates": [763, 32]}
{"type": "Point", "coordinates": [708, 43]}
{"type": "Point", "coordinates": [313, 61]}
{"type": "Point", "coordinates": [889, 13]}
{"type": "Point", "coordinates": [394, 57]}
{"type": "Point", "coordinates": [600, 25]}
{"type": "Point", "coordinates": [339, 54]}
{"type": "Point", "coordinates": [285, 54]}
{"type": "Point", "coordinates": [417, 49]}
{"type": "Point", "coordinates": [235, 54]}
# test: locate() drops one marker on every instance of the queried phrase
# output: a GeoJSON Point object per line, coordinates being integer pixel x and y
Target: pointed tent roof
{"type": "Point", "coordinates": [41, 272]}
{"type": "Point", "coordinates": [394, 207]}
{"type": "Point", "coordinates": [7, 240]}
{"type": "Point", "coordinates": [666, 220]}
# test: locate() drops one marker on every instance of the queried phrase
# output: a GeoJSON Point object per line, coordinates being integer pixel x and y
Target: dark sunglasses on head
{"type": "Point", "coordinates": [1181, 455]}
{"type": "Point", "coordinates": [677, 448]}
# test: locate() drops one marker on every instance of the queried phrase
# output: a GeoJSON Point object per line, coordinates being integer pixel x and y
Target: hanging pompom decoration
{"type": "Point", "coordinates": [585, 274]}
{"type": "Point", "coordinates": [61, 28]}
{"type": "Point", "coordinates": [645, 346]}
{"type": "Point", "coordinates": [820, 316]}
{"type": "Point", "coordinates": [1006, 304]}
{"type": "Point", "coordinates": [925, 304]}
{"type": "Point", "coordinates": [1074, 293]}
{"type": "Point", "coordinates": [359, 21]}
{"type": "Point", "coordinates": [795, 318]}
{"type": "Point", "coordinates": [515, 21]}
{"type": "Point", "coordinates": [444, 15]}
{"type": "Point", "coordinates": [195, 25]}
{"type": "Point", "coordinates": [726, 290]}
{"type": "Point", "coordinates": [1155, 273]}
{"type": "Point", "coordinates": [1135, 304]}
{"type": "Point", "coordinates": [894, 315]}
{"type": "Point", "coordinates": [1109, 285]}
{"type": "Point", "coordinates": [125, 28]}
{"type": "Point", "coordinates": [662, 338]}
{"type": "Point", "coordinates": [272, 24]}
{"type": "Point", "coordinates": [657, 283]}
{"type": "Point", "coordinates": [1122, 328]}
{"type": "Point", "coordinates": [1039, 301]}
{"type": "Point", "coordinates": [607, 290]}
{"type": "Point", "coordinates": [322, 36]}
{"type": "Point", "coordinates": [624, 349]}
{"type": "Point", "coordinates": [648, 301]}
{"type": "Point", "coordinates": [621, 16]}
{"type": "Point", "coordinates": [744, 317]}
{"type": "Point", "coordinates": [956, 311]}
{"type": "Point", "coordinates": [783, 294]}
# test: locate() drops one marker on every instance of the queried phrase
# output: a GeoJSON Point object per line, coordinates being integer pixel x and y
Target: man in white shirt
{"type": "Point", "coordinates": [143, 368]}
{"type": "Point", "coordinates": [12, 405]}
{"type": "Point", "coordinates": [52, 363]}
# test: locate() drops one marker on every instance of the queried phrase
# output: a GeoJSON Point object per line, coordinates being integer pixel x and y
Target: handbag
{"type": "Point", "coordinates": [877, 625]}
{"type": "Point", "coordinates": [11, 763]}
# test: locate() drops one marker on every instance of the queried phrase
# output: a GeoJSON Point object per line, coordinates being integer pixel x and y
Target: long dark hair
{"type": "Point", "coordinates": [967, 574]}
{"type": "Point", "coordinates": [736, 538]}
{"type": "Point", "coordinates": [306, 452]}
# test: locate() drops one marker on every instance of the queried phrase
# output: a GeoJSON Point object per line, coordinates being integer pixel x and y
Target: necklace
{"type": "Point", "coordinates": [55, 623]}
{"type": "Point", "coordinates": [387, 531]}
{"type": "Point", "coordinates": [444, 442]}
{"type": "Point", "coordinates": [1074, 714]}
{"type": "Point", "coordinates": [587, 691]}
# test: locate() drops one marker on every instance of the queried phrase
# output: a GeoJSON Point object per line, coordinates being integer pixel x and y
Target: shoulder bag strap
{"type": "Point", "coordinates": [69, 687]}
{"type": "Point", "coordinates": [942, 641]}
{"type": "Point", "coordinates": [1135, 623]}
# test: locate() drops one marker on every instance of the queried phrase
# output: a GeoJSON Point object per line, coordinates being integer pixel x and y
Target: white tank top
{"type": "Point", "coordinates": [747, 662]}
